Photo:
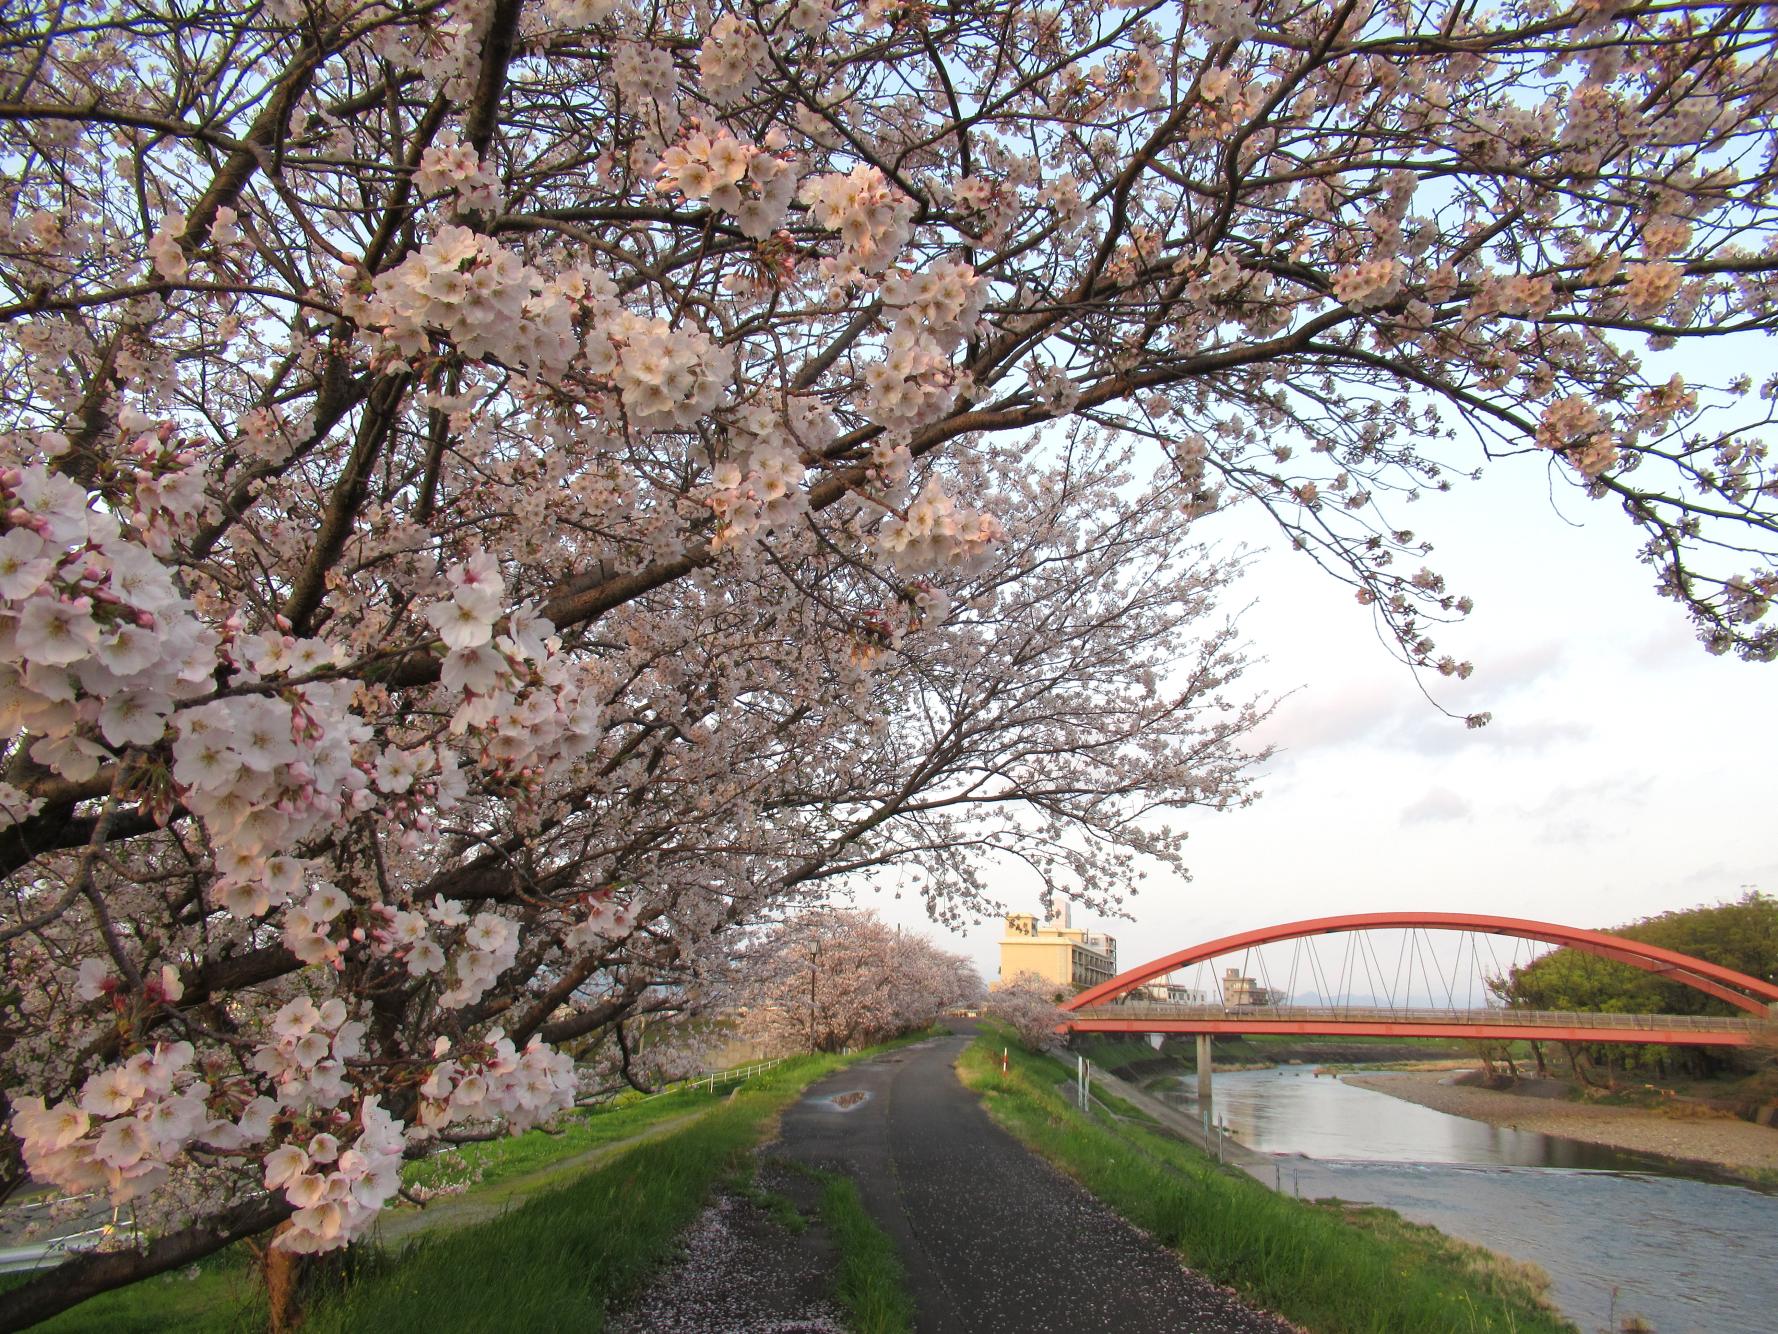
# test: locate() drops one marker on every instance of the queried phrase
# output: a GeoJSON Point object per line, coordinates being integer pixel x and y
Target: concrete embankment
{"type": "Point", "coordinates": [1262, 1167]}
{"type": "Point", "coordinates": [1737, 1147]}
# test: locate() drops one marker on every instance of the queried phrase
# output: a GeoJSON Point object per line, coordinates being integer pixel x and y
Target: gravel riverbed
{"type": "Point", "coordinates": [1735, 1146]}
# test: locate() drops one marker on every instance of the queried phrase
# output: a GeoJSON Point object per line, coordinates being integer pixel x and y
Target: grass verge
{"type": "Point", "coordinates": [871, 1284]}
{"type": "Point", "coordinates": [557, 1261]}
{"type": "Point", "coordinates": [554, 1262]}
{"type": "Point", "coordinates": [218, 1295]}
{"type": "Point", "coordinates": [1318, 1265]}
{"type": "Point", "coordinates": [519, 1155]}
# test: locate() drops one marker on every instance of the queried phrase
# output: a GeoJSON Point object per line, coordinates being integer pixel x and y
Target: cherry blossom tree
{"type": "Point", "coordinates": [828, 979]}
{"type": "Point", "coordinates": [1026, 1003]}
{"type": "Point", "coordinates": [502, 496]}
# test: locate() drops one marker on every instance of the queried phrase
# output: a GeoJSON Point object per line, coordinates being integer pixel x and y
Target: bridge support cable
{"type": "Point", "coordinates": [1320, 974]}
{"type": "Point", "coordinates": [1498, 972]}
{"type": "Point", "coordinates": [1757, 996]}
{"type": "Point", "coordinates": [1400, 958]}
{"type": "Point", "coordinates": [1265, 977]}
{"type": "Point", "coordinates": [1375, 981]}
{"type": "Point", "coordinates": [1367, 954]}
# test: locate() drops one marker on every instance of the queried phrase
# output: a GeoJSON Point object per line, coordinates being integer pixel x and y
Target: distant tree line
{"type": "Point", "coordinates": [1742, 934]}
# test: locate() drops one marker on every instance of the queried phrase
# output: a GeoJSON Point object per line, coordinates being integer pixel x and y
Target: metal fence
{"type": "Point", "coordinates": [716, 1078]}
{"type": "Point", "coordinates": [48, 1254]}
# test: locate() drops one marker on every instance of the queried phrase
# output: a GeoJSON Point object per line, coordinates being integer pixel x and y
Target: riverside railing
{"type": "Point", "coordinates": [716, 1078]}
{"type": "Point", "coordinates": [1698, 1023]}
{"type": "Point", "coordinates": [51, 1252]}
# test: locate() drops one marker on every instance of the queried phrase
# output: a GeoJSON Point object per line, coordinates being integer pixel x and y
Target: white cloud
{"type": "Point", "coordinates": [1437, 806]}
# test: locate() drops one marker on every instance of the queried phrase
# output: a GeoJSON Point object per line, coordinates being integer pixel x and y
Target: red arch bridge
{"type": "Point", "coordinates": [1425, 991]}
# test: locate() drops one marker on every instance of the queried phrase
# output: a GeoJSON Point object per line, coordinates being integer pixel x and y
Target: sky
{"type": "Point", "coordinates": [1626, 772]}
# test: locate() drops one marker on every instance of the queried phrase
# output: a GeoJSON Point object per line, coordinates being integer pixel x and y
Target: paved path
{"type": "Point", "coordinates": [993, 1238]}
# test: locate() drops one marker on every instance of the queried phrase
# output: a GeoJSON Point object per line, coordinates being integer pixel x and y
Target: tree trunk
{"type": "Point", "coordinates": [282, 1271]}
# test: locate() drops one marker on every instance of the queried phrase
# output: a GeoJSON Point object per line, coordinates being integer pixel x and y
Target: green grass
{"type": "Point", "coordinates": [872, 1284]}
{"type": "Point", "coordinates": [553, 1262]}
{"type": "Point", "coordinates": [218, 1295]}
{"type": "Point", "coordinates": [556, 1261]}
{"type": "Point", "coordinates": [519, 1155]}
{"type": "Point", "coordinates": [1319, 1265]}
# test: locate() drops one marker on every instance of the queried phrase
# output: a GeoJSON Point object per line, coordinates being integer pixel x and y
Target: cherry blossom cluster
{"type": "Point", "coordinates": [759, 484]}
{"type": "Point", "coordinates": [264, 771]}
{"type": "Point", "coordinates": [872, 217]}
{"type": "Point", "coordinates": [446, 53]}
{"type": "Point", "coordinates": [607, 920]}
{"type": "Point", "coordinates": [940, 303]}
{"type": "Point", "coordinates": [521, 701]}
{"type": "Point", "coordinates": [935, 533]}
{"type": "Point", "coordinates": [1368, 285]}
{"type": "Point", "coordinates": [483, 297]}
{"type": "Point", "coordinates": [644, 73]}
{"type": "Point", "coordinates": [494, 1081]}
{"type": "Point", "coordinates": [733, 56]}
{"type": "Point", "coordinates": [1650, 288]}
{"type": "Point", "coordinates": [99, 645]}
{"type": "Point", "coordinates": [751, 184]}
{"type": "Point", "coordinates": [667, 376]}
{"type": "Point", "coordinates": [1574, 428]}
{"type": "Point", "coordinates": [451, 167]}
{"type": "Point", "coordinates": [127, 1125]}
{"type": "Point", "coordinates": [338, 1188]}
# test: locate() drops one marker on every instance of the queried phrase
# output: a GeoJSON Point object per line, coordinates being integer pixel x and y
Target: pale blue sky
{"type": "Point", "coordinates": [1626, 771]}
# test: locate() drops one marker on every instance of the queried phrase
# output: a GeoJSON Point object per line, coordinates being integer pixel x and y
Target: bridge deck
{"type": "Point", "coordinates": [1496, 1024]}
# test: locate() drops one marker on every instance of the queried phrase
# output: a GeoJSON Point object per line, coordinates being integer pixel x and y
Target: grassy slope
{"type": "Point", "coordinates": [519, 1155]}
{"type": "Point", "coordinates": [1311, 1263]}
{"type": "Point", "coordinates": [220, 1295]}
{"type": "Point", "coordinates": [550, 1263]}
{"type": "Point", "coordinates": [556, 1261]}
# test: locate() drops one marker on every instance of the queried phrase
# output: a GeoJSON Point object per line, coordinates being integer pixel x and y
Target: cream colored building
{"type": "Point", "coordinates": [1072, 958]}
{"type": "Point", "coordinates": [1239, 990]}
{"type": "Point", "coordinates": [1165, 991]}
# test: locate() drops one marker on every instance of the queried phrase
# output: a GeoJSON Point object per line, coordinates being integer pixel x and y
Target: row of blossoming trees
{"type": "Point", "coordinates": [833, 978]}
{"type": "Point", "coordinates": [502, 495]}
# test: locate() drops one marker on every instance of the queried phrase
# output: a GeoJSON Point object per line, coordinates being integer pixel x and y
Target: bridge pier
{"type": "Point", "coordinates": [1204, 1077]}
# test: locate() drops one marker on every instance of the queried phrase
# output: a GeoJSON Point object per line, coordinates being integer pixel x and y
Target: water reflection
{"type": "Point", "coordinates": [1291, 1110]}
{"type": "Point", "coordinates": [1618, 1233]}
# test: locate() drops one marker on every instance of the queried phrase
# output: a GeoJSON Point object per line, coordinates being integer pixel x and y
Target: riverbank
{"type": "Point", "coordinates": [1736, 1147]}
{"type": "Point", "coordinates": [1326, 1266]}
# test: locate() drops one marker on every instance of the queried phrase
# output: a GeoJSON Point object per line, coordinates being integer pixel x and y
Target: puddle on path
{"type": "Point", "coordinates": [844, 1102]}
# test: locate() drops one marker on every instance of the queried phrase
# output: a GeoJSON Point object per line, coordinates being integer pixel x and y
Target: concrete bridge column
{"type": "Point", "coordinates": [1204, 1077]}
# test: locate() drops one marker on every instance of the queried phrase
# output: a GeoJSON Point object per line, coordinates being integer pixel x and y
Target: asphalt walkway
{"type": "Point", "coordinates": [993, 1239]}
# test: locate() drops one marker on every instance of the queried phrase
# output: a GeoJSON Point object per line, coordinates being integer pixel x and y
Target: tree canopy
{"type": "Point", "coordinates": [1742, 935]}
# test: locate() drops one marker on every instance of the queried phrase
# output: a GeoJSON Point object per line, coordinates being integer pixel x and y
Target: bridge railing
{"type": "Point", "coordinates": [1336, 1013]}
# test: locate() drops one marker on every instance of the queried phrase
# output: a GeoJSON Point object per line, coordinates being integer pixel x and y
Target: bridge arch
{"type": "Point", "coordinates": [1748, 993]}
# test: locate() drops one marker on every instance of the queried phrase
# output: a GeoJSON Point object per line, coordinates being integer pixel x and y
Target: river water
{"type": "Point", "coordinates": [1618, 1233]}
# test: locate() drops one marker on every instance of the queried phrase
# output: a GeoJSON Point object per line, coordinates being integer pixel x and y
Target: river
{"type": "Point", "coordinates": [1619, 1233]}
